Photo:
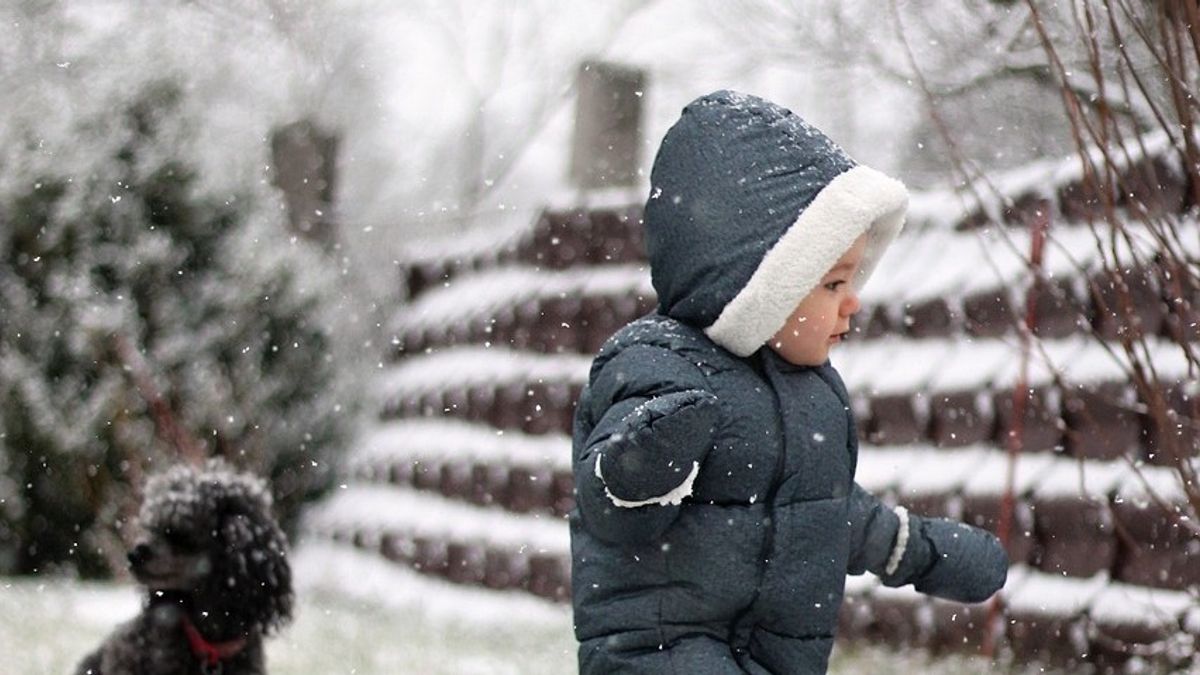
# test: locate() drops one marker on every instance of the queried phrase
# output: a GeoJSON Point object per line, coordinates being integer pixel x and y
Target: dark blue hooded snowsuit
{"type": "Point", "coordinates": [717, 510]}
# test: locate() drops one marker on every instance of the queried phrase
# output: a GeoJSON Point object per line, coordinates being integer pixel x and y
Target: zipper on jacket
{"type": "Point", "coordinates": [769, 503]}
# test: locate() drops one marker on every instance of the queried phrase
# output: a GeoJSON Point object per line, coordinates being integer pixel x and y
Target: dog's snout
{"type": "Point", "coordinates": [140, 554]}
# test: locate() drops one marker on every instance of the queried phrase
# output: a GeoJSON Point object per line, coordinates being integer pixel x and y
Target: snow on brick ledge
{"type": "Point", "coordinates": [1147, 484]}
{"type": "Point", "coordinates": [464, 366]}
{"type": "Point", "coordinates": [868, 368]}
{"type": "Point", "coordinates": [367, 577]}
{"type": "Point", "coordinates": [479, 295]}
{"type": "Point", "coordinates": [1036, 592]}
{"type": "Point", "coordinates": [383, 509]}
{"type": "Point", "coordinates": [879, 469]}
{"type": "Point", "coordinates": [941, 472]}
{"type": "Point", "coordinates": [1121, 604]}
{"type": "Point", "coordinates": [1094, 480]}
{"type": "Point", "coordinates": [937, 282]}
{"type": "Point", "coordinates": [432, 438]}
{"type": "Point", "coordinates": [990, 475]}
{"type": "Point", "coordinates": [948, 365]}
{"type": "Point", "coordinates": [500, 230]}
{"type": "Point", "coordinates": [912, 471]}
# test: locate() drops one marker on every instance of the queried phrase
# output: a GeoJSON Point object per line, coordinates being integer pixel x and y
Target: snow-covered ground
{"type": "Point", "coordinates": [360, 615]}
{"type": "Point", "coordinates": [355, 615]}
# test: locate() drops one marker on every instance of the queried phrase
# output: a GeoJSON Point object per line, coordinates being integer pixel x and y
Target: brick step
{"type": "Point", "coordinates": [937, 288]}
{"type": "Point", "coordinates": [1048, 616]}
{"type": "Point", "coordinates": [1069, 623]}
{"type": "Point", "coordinates": [529, 407]}
{"type": "Point", "coordinates": [1076, 518]}
{"type": "Point", "coordinates": [557, 239]}
{"type": "Point", "coordinates": [562, 238]}
{"type": "Point", "coordinates": [522, 308]}
{"type": "Point", "coordinates": [514, 488]}
{"type": "Point", "coordinates": [577, 310]}
{"type": "Point", "coordinates": [1144, 545]}
{"type": "Point", "coordinates": [1071, 517]}
{"type": "Point", "coordinates": [1151, 179]}
{"type": "Point", "coordinates": [543, 574]}
{"type": "Point", "coordinates": [462, 542]}
{"type": "Point", "coordinates": [1067, 306]}
{"type": "Point", "coordinates": [510, 391]}
{"type": "Point", "coordinates": [948, 394]}
{"type": "Point", "coordinates": [517, 472]}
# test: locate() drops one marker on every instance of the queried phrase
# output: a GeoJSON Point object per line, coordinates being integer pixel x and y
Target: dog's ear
{"type": "Point", "coordinates": [237, 533]}
{"type": "Point", "coordinates": [256, 548]}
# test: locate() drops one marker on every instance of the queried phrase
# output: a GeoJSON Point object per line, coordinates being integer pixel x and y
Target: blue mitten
{"type": "Point", "coordinates": [656, 451]}
{"type": "Point", "coordinates": [951, 560]}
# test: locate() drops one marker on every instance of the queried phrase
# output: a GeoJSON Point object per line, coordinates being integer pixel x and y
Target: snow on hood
{"type": "Point", "coordinates": [749, 207]}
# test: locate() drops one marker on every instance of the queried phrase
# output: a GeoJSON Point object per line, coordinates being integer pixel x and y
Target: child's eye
{"type": "Point", "coordinates": [834, 285]}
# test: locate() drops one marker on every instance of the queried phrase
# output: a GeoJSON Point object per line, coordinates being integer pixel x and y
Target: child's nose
{"type": "Point", "coordinates": [851, 305]}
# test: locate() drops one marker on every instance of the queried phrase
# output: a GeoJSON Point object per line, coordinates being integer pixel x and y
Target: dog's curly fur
{"type": "Point", "coordinates": [211, 553]}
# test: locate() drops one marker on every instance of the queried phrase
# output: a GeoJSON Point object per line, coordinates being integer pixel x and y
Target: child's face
{"type": "Point", "coordinates": [823, 317]}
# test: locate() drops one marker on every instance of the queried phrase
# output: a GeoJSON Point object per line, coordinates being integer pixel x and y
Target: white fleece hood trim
{"type": "Point", "coordinates": [861, 200]}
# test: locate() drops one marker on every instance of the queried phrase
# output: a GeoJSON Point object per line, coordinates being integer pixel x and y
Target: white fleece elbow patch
{"type": "Point", "coordinates": [893, 562]}
{"type": "Point", "coordinates": [672, 498]}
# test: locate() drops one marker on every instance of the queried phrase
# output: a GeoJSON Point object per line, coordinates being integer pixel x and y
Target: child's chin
{"type": "Point", "coordinates": [807, 360]}
{"type": "Point", "coordinates": [811, 356]}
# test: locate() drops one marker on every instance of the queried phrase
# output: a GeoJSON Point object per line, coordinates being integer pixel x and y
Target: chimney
{"type": "Point", "coordinates": [608, 125]}
{"type": "Point", "coordinates": [305, 169]}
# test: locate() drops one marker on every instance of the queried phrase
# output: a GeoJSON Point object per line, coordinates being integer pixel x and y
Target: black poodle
{"type": "Point", "coordinates": [214, 564]}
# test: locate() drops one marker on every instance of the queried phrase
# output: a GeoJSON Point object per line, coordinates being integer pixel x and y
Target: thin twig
{"type": "Point", "coordinates": [165, 422]}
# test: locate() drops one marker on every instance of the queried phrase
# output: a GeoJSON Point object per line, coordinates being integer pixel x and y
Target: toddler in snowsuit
{"type": "Point", "coordinates": [714, 447]}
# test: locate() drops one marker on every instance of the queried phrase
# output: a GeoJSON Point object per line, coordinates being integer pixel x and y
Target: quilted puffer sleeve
{"type": "Point", "coordinates": [873, 532]}
{"type": "Point", "coordinates": [654, 424]}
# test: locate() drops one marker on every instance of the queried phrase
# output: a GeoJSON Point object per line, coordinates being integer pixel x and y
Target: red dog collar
{"type": "Point", "coordinates": [210, 653]}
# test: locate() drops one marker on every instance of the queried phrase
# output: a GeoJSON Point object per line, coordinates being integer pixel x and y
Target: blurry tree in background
{"type": "Point", "coordinates": [154, 303]}
{"type": "Point", "coordinates": [144, 321]}
{"type": "Point", "coordinates": [511, 67]}
{"type": "Point", "coordinates": [150, 291]}
{"type": "Point", "coordinates": [1127, 75]}
{"type": "Point", "coordinates": [981, 59]}
{"type": "Point", "coordinates": [1124, 77]}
